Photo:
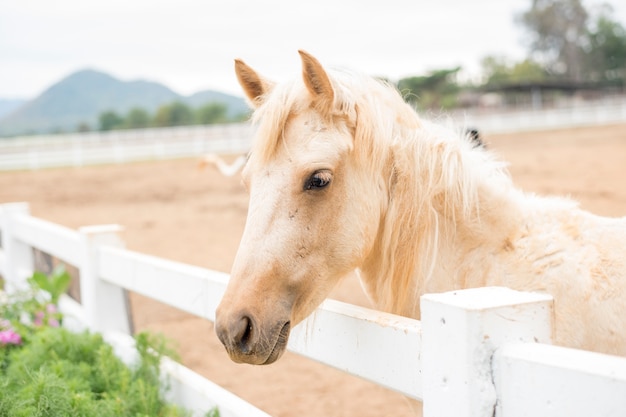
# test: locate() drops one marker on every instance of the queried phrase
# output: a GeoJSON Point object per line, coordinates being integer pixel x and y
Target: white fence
{"type": "Point", "coordinates": [609, 111]}
{"type": "Point", "coordinates": [78, 149]}
{"type": "Point", "coordinates": [120, 146]}
{"type": "Point", "coordinates": [474, 353]}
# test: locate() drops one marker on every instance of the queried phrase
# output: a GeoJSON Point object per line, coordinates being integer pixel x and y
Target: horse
{"type": "Point", "coordinates": [226, 169]}
{"type": "Point", "coordinates": [474, 135]}
{"type": "Point", "coordinates": [343, 175]}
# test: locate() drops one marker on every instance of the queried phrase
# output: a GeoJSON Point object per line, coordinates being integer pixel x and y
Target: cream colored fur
{"type": "Point", "coordinates": [414, 207]}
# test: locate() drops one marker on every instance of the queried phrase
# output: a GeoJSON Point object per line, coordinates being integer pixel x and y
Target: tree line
{"type": "Point", "coordinates": [566, 43]}
{"type": "Point", "coordinates": [173, 114]}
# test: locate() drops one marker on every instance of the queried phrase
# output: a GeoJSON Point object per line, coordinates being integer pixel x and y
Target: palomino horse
{"type": "Point", "coordinates": [344, 175]}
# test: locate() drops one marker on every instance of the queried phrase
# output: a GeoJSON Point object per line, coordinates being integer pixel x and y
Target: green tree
{"type": "Point", "coordinates": [607, 49]}
{"type": "Point", "coordinates": [137, 118]}
{"type": "Point", "coordinates": [212, 113]}
{"type": "Point", "coordinates": [438, 89]}
{"type": "Point", "coordinates": [558, 31]}
{"type": "Point", "coordinates": [174, 114]}
{"type": "Point", "coordinates": [110, 120]}
{"type": "Point", "coordinates": [498, 70]}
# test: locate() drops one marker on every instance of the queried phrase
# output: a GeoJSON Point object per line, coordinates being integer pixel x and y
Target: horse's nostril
{"type": "Point", "coordinates": [243, 334]}
{"type": "Point", "coordinates": [237, 335]}
{"type": "Point", "coordinates": [247, 332]}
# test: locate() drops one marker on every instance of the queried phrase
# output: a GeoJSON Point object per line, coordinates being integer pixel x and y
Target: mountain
{"type": "Point", "coordinates": [9, 105]}
{"type": "Point", "coordinates": [235, 104]}
{"type": "Point", "coordinates": [84, 95]}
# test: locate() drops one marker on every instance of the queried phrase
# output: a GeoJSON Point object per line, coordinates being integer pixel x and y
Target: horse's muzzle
{"type": "Point", "coordinates": [248, 342]}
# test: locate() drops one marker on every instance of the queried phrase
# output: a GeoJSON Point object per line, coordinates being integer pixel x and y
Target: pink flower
{"type": "Point", "coordinates": [52, 322]}
{"type": "Point", "coordinates": [39, 316]}
{"type": "Point", "coordinates": [51, 308]}
{"type": "Point", "coordinates": [10, 337]}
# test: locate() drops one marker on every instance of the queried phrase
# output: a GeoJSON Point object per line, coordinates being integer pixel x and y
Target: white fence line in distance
{"type": "Point", "coordinates": [474, 352]}
{"type": "Point", "coordinates": [121, 146]}
{"type": "Point", "coordinates": [491, 121]}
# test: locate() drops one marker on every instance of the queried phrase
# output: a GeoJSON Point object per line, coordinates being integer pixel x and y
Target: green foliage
{"type": "Point", "coordinates": [64, 373]}
{"type": "Point", "coordinates": [573, 44]}
{"type": "Point", "coordinates": [110, 120]}
{"type": "Point", "coordinates": [607, 49]}
{"type": "Point", "coordinates": [438, 89]}
{"type": "Point", "coordinates": [175, 114]}
{"type": "Point", "coordinates": [212, 113]}
{"type": "Point", "coordinates": [214, 412]}
{"type": "Point", "coordinates": [46, 370]}
{"type": "Point", "coordinates": [136, 118]}
{"type": "Point", "coordinates": [499, 71]}
{"type": "Point", "coordinates": [31, 310]}
{"type": "Point", "coordinates": [55, 284]}
{"type": "Point", "coordinates": [556, 29]}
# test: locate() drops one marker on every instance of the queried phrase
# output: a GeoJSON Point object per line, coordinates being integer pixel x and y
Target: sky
{"type": "Point", "coordinates": [190, 45]}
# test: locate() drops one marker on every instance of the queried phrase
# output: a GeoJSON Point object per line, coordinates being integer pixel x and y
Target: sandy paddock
{"type": "Point", "coordinates": [174, 210]}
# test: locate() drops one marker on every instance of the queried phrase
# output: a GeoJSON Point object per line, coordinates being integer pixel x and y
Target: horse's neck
{"type": "Point", "coordinates": [418, 253]}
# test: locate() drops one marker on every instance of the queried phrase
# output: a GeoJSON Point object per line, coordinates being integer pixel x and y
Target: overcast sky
{"type": "Point", "coordinates": [189, 45]}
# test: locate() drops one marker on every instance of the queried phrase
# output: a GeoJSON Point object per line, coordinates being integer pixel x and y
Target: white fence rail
{"type": "Point", "coordinates": [609, 111]}
{"type": "Point", "coordinates": [120, 146]}
{"type": "Point", "coordinates": [473, 353]}
{"type": "Point", "coordinates": [78, 149]}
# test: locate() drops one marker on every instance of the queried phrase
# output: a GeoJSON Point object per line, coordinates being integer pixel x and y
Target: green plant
{"type": "Point", "coordinates": [213, 412]}
{"type": "Point", "coordinates": [25, 312]}
{"type": "Point", "coordinates": [55, 284]}
{"type": "Point", "coordinates": [64, 373]}
{"type": "Point", "coordinates": [46, 370]}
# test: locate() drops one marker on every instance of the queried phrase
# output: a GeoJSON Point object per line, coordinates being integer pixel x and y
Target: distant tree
{"type": "Point", "coordinates": [174, 114]}
{"type": "Point", "coordinates": [162, 117]}
{"type": "Point", "coordinates": [438, 89]}
{"type": "Point", "coordinates": [212, 113]}
{"type": "Point", "coordinates": [607, 48]}
{"type": "Point", "coordinates": [240, 117]}
{"type": "Point", "coordinates": [83, 127]}
{"type": "Point", "coordinates": [110, 120]}
{"type": "Point", "coordinates": [558, 31]}
{"type": "Point", "coordinates": [137, 118]}
{"type": "Point", "coordinates": [498, 70]}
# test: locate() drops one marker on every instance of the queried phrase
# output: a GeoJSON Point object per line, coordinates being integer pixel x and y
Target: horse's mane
{"type": "Point", "coordinates": [434, 174]}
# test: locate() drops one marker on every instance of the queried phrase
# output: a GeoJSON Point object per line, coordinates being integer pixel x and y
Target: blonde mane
{"type": "Point", "coordinates": [343, 175]}
{"type": "Point", "coordinates": [434, 174]}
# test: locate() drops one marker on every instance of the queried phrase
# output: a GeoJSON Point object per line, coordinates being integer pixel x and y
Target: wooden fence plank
{"type": "Point", "coordinates": [551, 381]}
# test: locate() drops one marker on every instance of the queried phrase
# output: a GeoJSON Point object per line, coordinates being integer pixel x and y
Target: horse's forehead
{"type": "Point", "coordinates": [308, 137]}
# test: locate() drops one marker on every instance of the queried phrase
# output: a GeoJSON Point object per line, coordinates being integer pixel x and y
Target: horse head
{"type": "Point", "coordinates": [314, 210]}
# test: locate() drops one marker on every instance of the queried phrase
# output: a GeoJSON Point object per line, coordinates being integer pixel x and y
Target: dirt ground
{"type": "Point", "coordinates": [174, 210]}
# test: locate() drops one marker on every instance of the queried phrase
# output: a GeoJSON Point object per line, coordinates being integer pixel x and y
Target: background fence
{"type": "Point", "coordinates": [120, 146]}
{"type": "Point", "coordinates": [474, 353]}
{"type": "Point", "coordinates": [611, 110]}
{"type": "Point", "coordinates": [78, 149]}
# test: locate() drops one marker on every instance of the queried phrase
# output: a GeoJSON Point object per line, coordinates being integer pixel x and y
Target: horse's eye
{"type": "Point", "coordinates": [318, 180]}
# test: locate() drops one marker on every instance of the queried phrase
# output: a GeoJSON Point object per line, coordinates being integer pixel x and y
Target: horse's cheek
{"type": "Point", "coordinates": [362, 223]}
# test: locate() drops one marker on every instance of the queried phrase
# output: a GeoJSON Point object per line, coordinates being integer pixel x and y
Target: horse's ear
{"type": "Point", "coordinates": [254, 86]}
{"type": "Point", "coordinates": [317, 82]}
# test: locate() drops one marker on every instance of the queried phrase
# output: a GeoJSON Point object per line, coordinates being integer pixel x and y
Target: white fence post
{"type": "Point", "coordinates": [460, 332]}
{"type": "Point", "coordinates": [105, 305]}
{"type": "Point", "coordinates": [18, 256]}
